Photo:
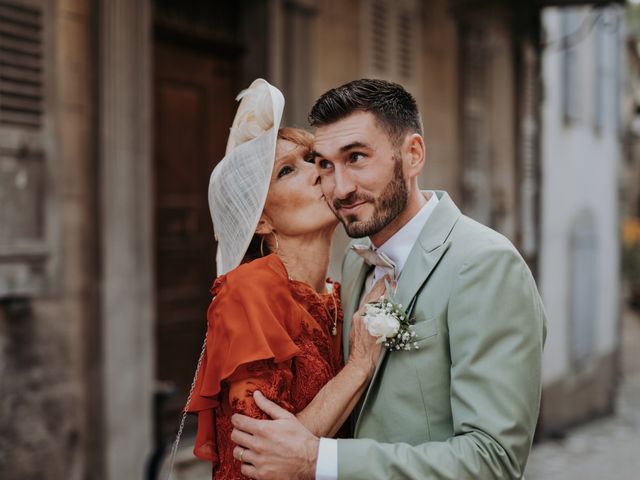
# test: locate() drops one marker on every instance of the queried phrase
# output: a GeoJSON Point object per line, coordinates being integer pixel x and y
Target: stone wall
{"type": "Point", "coordinates": [572, 400]}
{"type": "Point", "coordinates": [43, 341]}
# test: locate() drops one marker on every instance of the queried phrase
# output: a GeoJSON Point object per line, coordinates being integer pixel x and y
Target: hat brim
{"type": "Point", "coordinates": [239, 185]}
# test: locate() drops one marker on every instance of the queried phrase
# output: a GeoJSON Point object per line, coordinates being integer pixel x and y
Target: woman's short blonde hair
{"type": "Point", "coordinates": [298, 136]}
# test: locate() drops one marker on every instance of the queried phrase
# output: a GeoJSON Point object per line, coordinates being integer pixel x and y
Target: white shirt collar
{"type": "Point", "coordinates": [398, 247]}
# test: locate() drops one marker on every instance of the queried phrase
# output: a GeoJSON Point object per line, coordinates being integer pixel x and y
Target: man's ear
{"type": "Point", "coordinates": [414, 154]}
{"type": "Point", "coordinates": [264, 226]}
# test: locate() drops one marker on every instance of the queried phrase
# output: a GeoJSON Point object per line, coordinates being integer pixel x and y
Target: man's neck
{"type": "Point", "coordinates": [416, 201]}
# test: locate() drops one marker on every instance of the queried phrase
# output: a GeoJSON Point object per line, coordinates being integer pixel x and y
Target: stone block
{"type": "Point", "coordinates": [578, 398]}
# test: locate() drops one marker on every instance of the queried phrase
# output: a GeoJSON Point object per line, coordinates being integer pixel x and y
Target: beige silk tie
{"type": "Point", "coordinates": [376, 258]}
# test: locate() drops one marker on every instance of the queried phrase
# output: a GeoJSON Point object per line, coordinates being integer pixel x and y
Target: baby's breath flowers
{"type": "Point", "coordinates": [388, 322]}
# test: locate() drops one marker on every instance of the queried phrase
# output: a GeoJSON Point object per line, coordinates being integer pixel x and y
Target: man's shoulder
{"type": "Point", "coordinates": [472, 239]}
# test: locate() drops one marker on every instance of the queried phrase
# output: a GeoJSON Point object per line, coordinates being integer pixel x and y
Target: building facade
{"type": "Point", "coordinates": [112, 115]}
{"type": "Point", "coordinates": [581, 155]}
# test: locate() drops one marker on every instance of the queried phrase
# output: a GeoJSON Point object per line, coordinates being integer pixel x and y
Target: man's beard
{"type": "Point", "coordinates": [391, 202]}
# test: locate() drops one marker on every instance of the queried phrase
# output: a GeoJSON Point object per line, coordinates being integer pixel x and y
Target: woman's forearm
{"type": "Point", "coordinates": [334, 402]}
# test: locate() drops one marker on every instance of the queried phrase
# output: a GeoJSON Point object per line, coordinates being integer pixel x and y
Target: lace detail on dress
{"type": "Point", "coordinates": [274, 381]}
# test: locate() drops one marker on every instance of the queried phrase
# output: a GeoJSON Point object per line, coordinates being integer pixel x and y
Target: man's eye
{"type": "Point", "coordinates": [284, 171]}
{"type": "Point", "coordinates": [324, 164]}
{"type": "Point", "coordinates": [355, 156]}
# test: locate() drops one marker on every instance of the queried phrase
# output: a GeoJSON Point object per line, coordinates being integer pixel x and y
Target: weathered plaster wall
{"type": "Point", "coordinates": [579, 176]}
{"type": "Point", "coordinates": [43, 349]}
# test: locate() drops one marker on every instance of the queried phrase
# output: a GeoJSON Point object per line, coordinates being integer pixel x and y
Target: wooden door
{"type": "Point", "coordinates": [194, 107]}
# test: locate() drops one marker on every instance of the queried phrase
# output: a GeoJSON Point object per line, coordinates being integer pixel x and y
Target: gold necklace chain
{"type": "Point", "coordinates": [334, 328]}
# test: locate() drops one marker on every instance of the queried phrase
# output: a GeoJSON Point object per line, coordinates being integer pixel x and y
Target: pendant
{"type": "Point", "coordinates": [334, 331]}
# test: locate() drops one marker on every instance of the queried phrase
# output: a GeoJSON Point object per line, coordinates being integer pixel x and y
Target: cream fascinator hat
{"type": "Point", "coordinates": [239, 183]}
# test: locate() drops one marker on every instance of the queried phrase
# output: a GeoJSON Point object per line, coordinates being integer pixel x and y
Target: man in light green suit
{"type": "Point", "coordinates": [464, 404]}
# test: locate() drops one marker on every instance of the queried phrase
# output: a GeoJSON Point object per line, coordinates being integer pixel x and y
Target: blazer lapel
{"type": "Point", "coordinates": [431, 245]}
{"type": "Point", "coordinates": [354, 276]}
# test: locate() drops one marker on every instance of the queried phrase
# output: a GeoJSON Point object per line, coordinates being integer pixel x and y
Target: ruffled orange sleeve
{"type": "Point", "coordinates": [251, 319]}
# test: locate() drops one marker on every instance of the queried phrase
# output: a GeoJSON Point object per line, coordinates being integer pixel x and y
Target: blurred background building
{"type": "Point", "coordinates": [114, 112]}
{"type": "Point", "coordinates": [581, 151]}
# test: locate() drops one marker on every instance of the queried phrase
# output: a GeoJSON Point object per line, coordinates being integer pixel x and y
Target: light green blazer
{"type": "Point", "coordinates": [465, 405]}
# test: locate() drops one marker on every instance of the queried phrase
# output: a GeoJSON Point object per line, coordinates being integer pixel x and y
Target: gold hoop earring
{"type": "Point", "coordinates": [262, 244]}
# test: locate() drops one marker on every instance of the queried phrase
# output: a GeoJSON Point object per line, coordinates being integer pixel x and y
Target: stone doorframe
{"type": "Point", "coordinates": [125, 176]}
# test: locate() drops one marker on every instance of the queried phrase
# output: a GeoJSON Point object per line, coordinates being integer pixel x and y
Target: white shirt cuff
{"type": "Point", "coordinates": [327, 463]}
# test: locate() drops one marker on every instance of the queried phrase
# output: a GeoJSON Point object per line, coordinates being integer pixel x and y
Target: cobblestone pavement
{"type": "Point", "coordinates": [608, 448]}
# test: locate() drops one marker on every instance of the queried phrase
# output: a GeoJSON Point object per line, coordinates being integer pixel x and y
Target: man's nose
{"type": "Point", "coordinates": [344, 184]}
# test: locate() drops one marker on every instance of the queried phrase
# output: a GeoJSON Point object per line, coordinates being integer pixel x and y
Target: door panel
{"type": "Point", "coordinates": [194, 106]}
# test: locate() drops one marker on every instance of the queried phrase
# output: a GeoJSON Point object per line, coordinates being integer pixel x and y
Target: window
{"type": "Point", "coordinates": [619, 66]}
{"type": "Point", "coordinates": [475, 157]}
{"type": "Point", "coordinates": [26, 234]}
{"type": "Point", "coordinates": [600, 74]}
{"type": "Point", "coordinates": [392, 42]}
{"type": "Point", "coordinates": [570, 24]}
{"type": "Point", "coordinates": [528, 151]}
{"type": "Point", "coordinates": [583, 289]}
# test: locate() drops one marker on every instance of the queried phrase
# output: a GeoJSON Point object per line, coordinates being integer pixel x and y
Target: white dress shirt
{"type": "Point", "coordinates": [397, 248]}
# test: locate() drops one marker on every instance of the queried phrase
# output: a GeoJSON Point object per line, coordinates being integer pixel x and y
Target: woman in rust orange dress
{"type": "Point", "coordinates": [275, 322]}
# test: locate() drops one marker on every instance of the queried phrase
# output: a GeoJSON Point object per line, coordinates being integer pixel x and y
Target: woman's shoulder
{"type": "Point", "coordinates": [263, 273]}
{"type": "Point", "coordinates": [252, 312]}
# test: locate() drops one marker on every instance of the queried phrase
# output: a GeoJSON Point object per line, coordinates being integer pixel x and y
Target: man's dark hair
{"type": "Point", "coordinates": [394, 108]}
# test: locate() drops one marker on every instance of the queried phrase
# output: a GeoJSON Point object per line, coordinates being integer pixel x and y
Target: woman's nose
{"type": "Point", "coordinates": [314, 175]}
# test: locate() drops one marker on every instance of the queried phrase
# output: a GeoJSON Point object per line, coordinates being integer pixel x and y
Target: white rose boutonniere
{"type": "Point", "coordinates": [379, 322]}
{"type": "Point", "coordinates": [388, 322]}
{"type": "Point", "coordinates": [254, 115]}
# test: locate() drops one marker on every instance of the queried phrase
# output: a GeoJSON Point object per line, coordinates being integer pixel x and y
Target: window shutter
{"type": "Point", "coordinates": [570, 24]}
{"type": "Point", "coordinates": [528, 154]}
{"type": "Point", "coordinates": [21, 57]}
{"type": "Point", "coordinates": [379, 36]}
{"type": "Point", "coordinates": [600, 74]}
{"type": "Point", "coordinates": [476, 177]}
{"type": "Point", "coordinates": [583, 288]}
{"type": "Point", "coordinates": [392, 42]}
{"type": "Point", "coordinates": [26, 236]}
{"type": "Point", "coordinates": [405, 45]}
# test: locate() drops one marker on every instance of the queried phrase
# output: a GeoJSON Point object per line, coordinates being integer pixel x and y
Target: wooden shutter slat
{"type": "Point", "coordinates": [15, 74]}
{"type": "Point", "coordinates": [21, 15]}
{"type": "Point", "coordinates": [22, 32]}
{"type": "Point", "coordinates": [20, 104]}
{"type": "Point", "coordinates": [20, 46]}
{"type": "Point", "coordinates": [19, 119]}
{"type": "Point", "coordinates": [20, 89]}
{"type": "Point", "coordinates": [20, 60]}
